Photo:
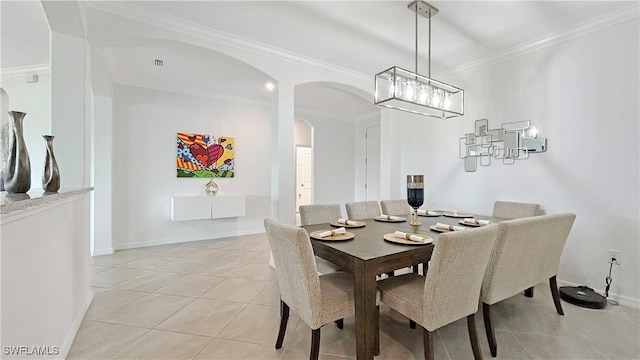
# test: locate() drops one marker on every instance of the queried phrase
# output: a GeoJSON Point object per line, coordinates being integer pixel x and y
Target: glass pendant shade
{"type": "Point", "coordinates": [404, 90]}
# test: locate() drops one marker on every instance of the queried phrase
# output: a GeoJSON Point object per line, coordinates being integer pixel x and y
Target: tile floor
{"type": "Point", "coordinates": [219, 299]}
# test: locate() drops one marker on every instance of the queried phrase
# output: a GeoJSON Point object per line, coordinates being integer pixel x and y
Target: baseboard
{"type": "Point", "coordinates": [621, 299]}
{"type": "Point", "coordinates": [75, 326]}
{"type": "Point", "coordinates": [105, 251]}
{"type": "Point", "coordinates": [140, 244]}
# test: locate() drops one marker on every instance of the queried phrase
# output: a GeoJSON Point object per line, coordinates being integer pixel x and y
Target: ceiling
{"type": "Point", "coordinates": [363, 36]}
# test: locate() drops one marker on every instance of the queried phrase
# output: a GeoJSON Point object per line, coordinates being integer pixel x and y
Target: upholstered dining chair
{"type": "Point", "coordinates": [317, 299]}
{"type": "Point", "coordinates": [451, 288]}
{"type": "Point", "coordinates": [527, 252]}
{"type": "Point", "coordinates": [395, 207]}
{"type": "Point", "coordinates": [514, 210]}
{"type": "Point", "coordinates": [320, 214]}
{"type": "Point", "coordinates": [362, 210]}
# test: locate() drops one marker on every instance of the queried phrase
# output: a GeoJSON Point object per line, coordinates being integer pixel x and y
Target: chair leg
{"type": "Point", "coordinates": [315, 344]}
{"type": "Point", "coordinates": [425, 267]}
{"type": "Point", "coordinates": [488, 327]}
{"type": "Point", "coordinates": [340, 323]}
{"type": "Point", "coordinates": [529, 292]}
{"type": "Point", "coordinates": [377, 339]}
{"type": "Point", "coordinates": [473, 336]}
{"type": "Point", "coordinates": [556, 296]}
{"type": "Point", "coordinates": [390, 274]}
{"type": "Point", "coordinates": [284, 317]}
{"type": "Point", "coordinates": [412, 324]}
{"type": "Point", "coordinates": [414, 269]}
{"type": "Point", "coordinates": [428, 344]}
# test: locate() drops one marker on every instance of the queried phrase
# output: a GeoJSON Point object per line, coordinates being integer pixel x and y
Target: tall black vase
{"type": "Point", "coordinates": [51, 173]}
{"type": "Point", "coordinates": [17, 173]}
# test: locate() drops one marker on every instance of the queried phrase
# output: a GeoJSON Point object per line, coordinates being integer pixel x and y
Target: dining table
{"type": "Point", "coordinates": [368, 254]}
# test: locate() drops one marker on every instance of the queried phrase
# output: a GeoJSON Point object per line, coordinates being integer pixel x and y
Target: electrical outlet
{"type": "Point", "coordinates": [613, 254]}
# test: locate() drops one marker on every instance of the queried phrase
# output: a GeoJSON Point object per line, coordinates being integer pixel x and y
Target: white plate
{"type": "Point", "coordinates": [388, 220]}
{"type": "Point", "coordinates": [346, 236]}
{"type": "Point", "coordinates": [392, 237]}
{"type": "Point", "coordinates": [358, 225]}
{"type": "Point", "coordinates": [471, 224]}
{"type": "Point", "coordinates": [456, 215]}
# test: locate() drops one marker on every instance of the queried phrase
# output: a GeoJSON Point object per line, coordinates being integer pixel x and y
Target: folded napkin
{"type": "Point", "coordinates": [347, 222]}
{"type": "Point", "coordinates": [338, 231]}
{"type": "Point", "coordinates": [426, 212]}
{"type": "Point", "coordinates": [476, 221]}
{"type": "Point", "coordinates": [412, 237]}
{"type": "Point", "coordinates": [449, 227]}
{"type": "Point", "coordinates": [390, 217]}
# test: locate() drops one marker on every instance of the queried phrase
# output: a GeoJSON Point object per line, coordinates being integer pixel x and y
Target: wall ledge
{"type": "Point", "coordinates": [17, 206]}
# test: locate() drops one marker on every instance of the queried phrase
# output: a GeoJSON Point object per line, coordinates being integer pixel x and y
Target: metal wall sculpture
{"type": "Point", "coordinates": [512, 141]}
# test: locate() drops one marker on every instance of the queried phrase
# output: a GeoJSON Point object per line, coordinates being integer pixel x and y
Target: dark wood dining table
{"type": "Point", "coordinates": [368, 254]}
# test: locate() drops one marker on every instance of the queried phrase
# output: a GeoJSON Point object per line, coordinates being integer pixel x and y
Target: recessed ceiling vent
{"type": "Point", "coordinates": [159, 62]}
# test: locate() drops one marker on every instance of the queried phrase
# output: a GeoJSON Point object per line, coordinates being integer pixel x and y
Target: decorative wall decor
{"type": "Point", "coordinates": [17, 173]}
{"type": "Point", "coordinates": [512, 141]}
{"type": "Point", "coordinates": [204, 156]}
{"type": "Point", "coordinates": [51, 173]}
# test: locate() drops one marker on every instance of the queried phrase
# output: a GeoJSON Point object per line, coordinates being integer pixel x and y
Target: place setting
{"type": "Point", "coordinates": [474, 222]}
{"type": "Point", "coordinates": [389, 218]}
{"type": "Point", "coordinates": [456, 214]}
{"type": "Point", "coordinates": [440, 227]}
{"type": "Point", "coordinates": [339, 234]}
{"type": "Point", "coordinates": [428, 213]}
{"type": "Point", "coordinates": [348, 223]}
{"type": "Point", "coordinates": [400, 237]}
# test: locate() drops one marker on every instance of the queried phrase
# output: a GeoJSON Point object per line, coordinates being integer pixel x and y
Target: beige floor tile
{"type": "Point", "coordinates": [149, 263]}
{"type": "Point", "coordinates": [109, 300]}
{"type": "Point", "coordinates": [258, 324]}
{"type": "Point", "coordinates": [203, 317]}
{"type": "Point", "coordinates": [240, 290]}
{"type": "Point", "coordinates": [399, 341]}
{"type": "Point", "coordinates": [175, 251]}
{"type": "Point", "coordinates": [333, 341]}
{"type": "Point", "coordinates": [96, 340]}
{"type": "Point", "coordinates": [295, 354]}
{"type": "Point", "coordinates": [222, 349]}
{"type": "Point", "coordinates": [269, 296]}
{"type": "Point", "coordinates": [456, 341]}
{"type": "Point", "coordinates": [192, 285]}
{"type": "Point", "coordinates": [255, 272]}
{"type": "Point", "coordinates": [148, 311]}
{"type": "Point", "coordinates": [220, 267]}
{"type": "Point", "coordinates": [557, 347]}
{"type": "Point", "coordinates": [184, 265]}
{"type": "Point", "coordinates": [97, 269]}
{"type": "Point", "coordinates": [148, 281]}
{"type": "Point", "coordinates": [114, 276]}
{"type": "Point", "coordinates": [157, 344]}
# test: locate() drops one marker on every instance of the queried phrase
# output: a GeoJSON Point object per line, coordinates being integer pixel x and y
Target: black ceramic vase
{"type": "Point", "coordinates": [51, 174]}
{"type": "Point", "coordinates": [17, 173]}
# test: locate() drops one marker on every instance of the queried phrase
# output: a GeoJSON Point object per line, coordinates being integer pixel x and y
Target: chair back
{"type": "Point", "coordinates": [514, 210]}
{"type": "Point", "coordinates": [454, 279]}
{"type": "Point", "coordinates": [527, 252]}
{"type": "Point", "coordinates": [296, 269]}
{"type": "Point", "coordinates": [362, 210]}
{"type": "Point", "coordinates": [395, 207]}
{"type": "Point", "coordinates": [319, 214]}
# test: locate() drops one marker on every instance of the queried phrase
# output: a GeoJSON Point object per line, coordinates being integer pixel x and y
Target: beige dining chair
{"type": "Point", "coordinates": [514, 210]}
{"type": "Point", "coordinates": [527, 252]}
{"type": "Point", "coordinates": [451, 289]}
{"type": "Point", "coordinates": [362, 210]}
{"type": "Point", "coordinates": [320, 214]}
{"type": "Point", "coordinates": [317, 299]}
{"type": "Point", "coordinates": [395, 207]}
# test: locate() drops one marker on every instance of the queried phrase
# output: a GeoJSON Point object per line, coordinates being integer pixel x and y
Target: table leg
{"type": "Point", "coordinates": [365, 305]}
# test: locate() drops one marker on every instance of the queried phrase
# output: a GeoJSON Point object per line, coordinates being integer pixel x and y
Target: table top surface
{"type": "Point", "coordinates": [369, 243]}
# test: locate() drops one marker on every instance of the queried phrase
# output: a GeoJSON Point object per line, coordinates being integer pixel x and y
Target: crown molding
{"type": "Point", "coordinates": [146, 16]}
{"type": "Point", "coordinates": [609, 19]}
{"type": "Point", "coordinates": [40, 69]}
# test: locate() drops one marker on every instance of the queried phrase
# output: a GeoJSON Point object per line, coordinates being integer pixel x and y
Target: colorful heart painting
{"type": "Point", "coordinates": [204, 156]}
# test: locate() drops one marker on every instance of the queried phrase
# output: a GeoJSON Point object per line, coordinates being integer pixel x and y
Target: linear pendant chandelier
{"type": "Point", "coordinates": [400, 89]}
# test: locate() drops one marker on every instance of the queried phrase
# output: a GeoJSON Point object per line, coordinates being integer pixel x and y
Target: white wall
{"type": "Point", "coordinates": [144, 170]}
{"type": "Point", "coordinates": [35, 100]}
{"type": "Point", "coordinates": [360, 149]}
{"type": "Point", "coordinates": [582, 95]}
{"type": "Point", "coordinates": [333, 161]}
{"type": "Point", "coordinates": [45, 275]}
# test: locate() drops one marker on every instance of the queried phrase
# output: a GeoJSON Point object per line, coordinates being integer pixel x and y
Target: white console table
{"type": "Point", "coordinates": [202, 207]}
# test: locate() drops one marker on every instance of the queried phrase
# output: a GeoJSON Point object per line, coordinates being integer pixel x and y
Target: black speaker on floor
{"type": "Point", "coordinates": [583, 296]}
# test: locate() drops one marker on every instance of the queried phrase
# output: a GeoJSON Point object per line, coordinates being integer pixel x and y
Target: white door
{"type": "Point", "coordinates": [372, 163]}
{"type": "Point", "coordinates": [304, 180]}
